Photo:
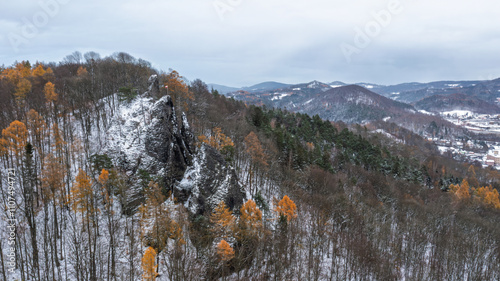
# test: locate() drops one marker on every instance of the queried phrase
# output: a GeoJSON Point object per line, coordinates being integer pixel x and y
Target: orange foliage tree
{"type": "Point", "coordinates": [15, 138]}
{"type": "Point", "coordinates": [82, 194]}
{"type": "Point", "coordinates": [218, 140]}
{"type": "Point", "coordinates": [38, 129]}
{"type": "Point", "coordinates": [53, 179]}
{"type": "Point", "coordinates": [489, 196]}
{"type": "Point", "coordinates": [223, 221]}
{"type": "Point", "coordinates": [225, 251]}
{"type": "Point", "coordinates": [103, 180]}
{"type": "Point", "coordinates": [250, 223]}
{"type": "Point", "coordinates": [23, 87]}
{"type": "Point", "coordinates": [462, 190]}
{"type": "Point", "coordinates": [50, 92]}
{"type": "Point", "coordinates": [149, 265]}
{"type": "Point", "coordinates": [39, 71]}
{"type": "Point", "coordinates": [178, 89]}
{"type": "Point", "coordinates": [286, 208]}
{"type": "Point", "coordinates": [255, 150]}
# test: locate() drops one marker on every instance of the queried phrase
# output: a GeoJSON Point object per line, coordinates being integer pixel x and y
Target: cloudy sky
{"type": "Point", "coordinates": [244, 42]}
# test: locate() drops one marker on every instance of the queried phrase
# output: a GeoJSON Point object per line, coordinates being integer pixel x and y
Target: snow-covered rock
{"type": "Point", "coordinates": [209, 181]}
{"type": "Point", "coordinates": [147, 137]}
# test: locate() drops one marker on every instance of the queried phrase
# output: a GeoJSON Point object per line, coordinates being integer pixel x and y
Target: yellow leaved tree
{"type": "Point", "coordinates": [286, 208]}
{"type": "Point", "coordinates": [217, 139]}
{"type": "Point", "coordinates": [489, 196]}
{"type": "Point", "coordinates": [50, 92]}
{"type": "Point", "coordinates": [224, 251]}
{"type": "Point", "coordinates": [82, 196]}
{"type": "Point", "coordinates": [178, 90]}
{"type": "Point", "coordinates": [149, 265]}
{"type": "Point", "coordinates": [250, 223]}
{"type": "Point", "coordinates": [462, 190]}
{"type": "Point", "coordinates": [223, 221]}
{"type": "Point", "coordinates": [15, 138]}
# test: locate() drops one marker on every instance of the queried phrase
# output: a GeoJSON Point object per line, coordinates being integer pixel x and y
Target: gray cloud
{"type": "Point", "coordinates": [242, 42]}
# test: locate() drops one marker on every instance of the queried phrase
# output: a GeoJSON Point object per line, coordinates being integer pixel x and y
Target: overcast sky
{"type": "Point", "coordinates": [244, 42]}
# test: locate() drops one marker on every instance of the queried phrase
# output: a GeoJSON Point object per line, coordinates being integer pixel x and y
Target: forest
{"type": "Point", "coordinates": [114, 170]}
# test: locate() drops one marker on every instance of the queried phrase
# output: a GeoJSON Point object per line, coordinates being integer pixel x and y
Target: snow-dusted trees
{"type": "Point", "coordinates": [258, 160]}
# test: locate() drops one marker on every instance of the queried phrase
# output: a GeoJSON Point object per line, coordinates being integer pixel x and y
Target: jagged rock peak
{"type": "Point", "coordinates": [166, 142]}
{"type": "Point", "coordinates": [207, 182]}
{"type": "Point", "coordinates": [154, 86]}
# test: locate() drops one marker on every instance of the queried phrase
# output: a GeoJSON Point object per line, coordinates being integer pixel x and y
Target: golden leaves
{"type": "Point", "coordinates": [50, 92]}
{"type": "Point", "coordinates": [217, 140]}
{"type": "Point", "coordinates": [286, 208]}
{"type": "Point", "coordinates": [225, 251]}
{"type": "Point", "coordinates": [149, 265]}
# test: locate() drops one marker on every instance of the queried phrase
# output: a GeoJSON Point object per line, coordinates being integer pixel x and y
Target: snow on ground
{"type": "Point", "coordinates": [126, 136]}
{"type": "Point", "coordinates": [458, 113]}
{"type": "Point", "coordinates": [380, 131]}
{"type": "Point", "coordinates": [309, 101]}
{"type": "Point", "coordinates": [425, 112]}
{"type": "Point", "coordinates": [443, 149]}
{"type": "Point", "coordinates": [279, 96]}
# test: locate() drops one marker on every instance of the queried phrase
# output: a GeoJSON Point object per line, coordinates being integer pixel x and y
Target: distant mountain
{"type": "Point", "coordinates": [413, 92]}
{"type": "Point", "coordinates": [265, 86]}
{"type": "Point", "coordinates": [222, 89]}
{"type": "Point", "coordinates": [276, 94]}
{"type": "Point", "coordinates": [336, 84]}
{"type": "Point", "coordinates": [458, 101]}
{"type": "Point", "coordinates": [352, 104]}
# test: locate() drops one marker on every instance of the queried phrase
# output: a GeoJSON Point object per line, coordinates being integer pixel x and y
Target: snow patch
{"type": "Point", "coordinates": [425, 112]}
{"type": "Point", "coordinates": [309, 101]}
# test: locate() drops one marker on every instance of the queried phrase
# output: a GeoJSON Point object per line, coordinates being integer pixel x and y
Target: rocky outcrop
{"type": "Point", "coordinates": [209, 181]}
{"type": "Point", "coordinates": [154, 86]}
{"type": "Point", "coordinates": [168, 144]}
{"type": "Point", "coordinates": [147, 140]}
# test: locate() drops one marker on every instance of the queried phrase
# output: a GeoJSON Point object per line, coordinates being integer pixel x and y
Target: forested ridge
{"type": "Point", "coordinates": [261, 193]}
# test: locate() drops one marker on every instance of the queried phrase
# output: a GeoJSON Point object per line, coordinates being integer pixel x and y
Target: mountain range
{"type": "Point", "coordinates": [364, 101]}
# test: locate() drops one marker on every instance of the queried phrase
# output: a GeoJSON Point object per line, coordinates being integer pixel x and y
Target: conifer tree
{"type": "Point", "coordinates": [223, 221]}
{"type": "Point", "coordinates": [250, 223]}
{"type": "Point", "coordinates": [225, 251]}
{"type": "Point", "coordinates": [286, 208]}
{"type": "Point", "coordinates": [16, 137]}
{"type": "Point", "coordinates": [149, 265]}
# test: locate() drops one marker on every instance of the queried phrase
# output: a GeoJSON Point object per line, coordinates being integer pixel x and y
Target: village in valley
{"type": "Point", "coordinates": [483, 150]}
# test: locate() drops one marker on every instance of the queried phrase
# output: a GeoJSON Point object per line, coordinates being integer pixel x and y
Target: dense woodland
{"type": "Point", "coordinates": [327, 200]}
